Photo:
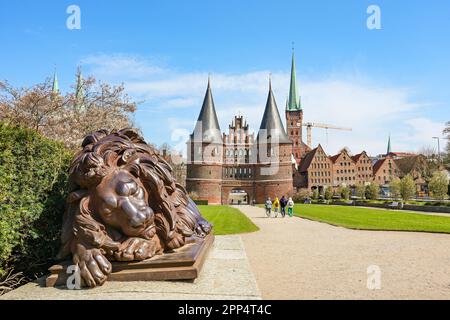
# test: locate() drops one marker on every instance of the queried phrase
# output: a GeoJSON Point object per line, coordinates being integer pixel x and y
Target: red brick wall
{"type": "Point", "coordinates": [294, 125]}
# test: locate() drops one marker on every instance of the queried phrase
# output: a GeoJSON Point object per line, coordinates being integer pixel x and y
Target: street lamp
{"type": "Point", "coordinates": [439, 147]}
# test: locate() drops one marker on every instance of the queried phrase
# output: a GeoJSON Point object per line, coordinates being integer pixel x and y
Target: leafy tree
{"type": "Point", "coordinates": [446, 156]}
{"type": "Point", "coordinates": [315, 194]}
{"type": "Point", "coordinates": [360, 190]}
{"type": "Point", "coordinates": [407, 187]}
{"type": "Point", "coordinates": [328, 193]}
{"type": "Point", "coordinates": [439, 185]}
{"type": "Point", "coordinates": [395, 187]}
{"type": "Point", "coordinates": [372, 191]}
{"type": "Point", "coordinates": [344, 192]}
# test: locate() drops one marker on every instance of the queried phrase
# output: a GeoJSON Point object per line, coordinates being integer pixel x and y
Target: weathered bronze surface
{"type": "Point", "coordinates": [184, 263]}
{"type": "Point", "coordinates": [124, 205]}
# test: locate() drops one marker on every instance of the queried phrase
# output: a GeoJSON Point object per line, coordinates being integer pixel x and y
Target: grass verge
{"type": "Point", "coordinates": [373, 219]}
{"type": "Point", "coordinates": [227, 220]}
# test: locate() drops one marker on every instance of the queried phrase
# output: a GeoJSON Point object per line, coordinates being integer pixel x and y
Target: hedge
{"type": "Point", "coordinates": [201, 202]}
{"type": "Point", "coordinates": [33, 182]}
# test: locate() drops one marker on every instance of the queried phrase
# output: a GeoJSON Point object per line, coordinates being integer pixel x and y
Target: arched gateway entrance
{"type": "Point", "coordinates": [238, 196]}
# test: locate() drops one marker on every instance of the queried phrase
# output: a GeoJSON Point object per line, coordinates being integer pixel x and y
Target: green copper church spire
{"type": "Point", "coordinates": [79, 94]}
{"type": "Point", "coordinates": [389, 145]}
{"type": "Point", "coordinates": [293, 102]}
{"type": "Point", "coordinates": [55, 88]}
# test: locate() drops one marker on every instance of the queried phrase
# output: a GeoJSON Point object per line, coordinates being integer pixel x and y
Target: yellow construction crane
{"type": "Point", "coordinates": [310, 125]}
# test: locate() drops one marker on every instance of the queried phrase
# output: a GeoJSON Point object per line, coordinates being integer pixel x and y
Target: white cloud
{"type": "Point", "coordinates": [370, 109]}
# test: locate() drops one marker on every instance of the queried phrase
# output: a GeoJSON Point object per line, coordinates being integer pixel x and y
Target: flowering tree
{"type": "Point", "coordinates": [67, 117]}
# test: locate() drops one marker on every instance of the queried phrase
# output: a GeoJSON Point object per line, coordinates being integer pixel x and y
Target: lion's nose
{"type": "Point", "coordinates": [137, 216]}
{"type": "Point", "coordinates": [138, 219]}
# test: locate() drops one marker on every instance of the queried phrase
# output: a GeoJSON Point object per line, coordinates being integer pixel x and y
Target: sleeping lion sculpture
{"type": "Point", "coordinates": [123, 205]}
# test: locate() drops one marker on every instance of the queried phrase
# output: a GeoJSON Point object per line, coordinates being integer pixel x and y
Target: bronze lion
{"type": "Point", "coordinates": [123, 205]}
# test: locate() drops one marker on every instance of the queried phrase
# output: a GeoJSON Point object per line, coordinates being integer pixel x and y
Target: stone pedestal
{"type": "Point", "coordinates": [182, 264]}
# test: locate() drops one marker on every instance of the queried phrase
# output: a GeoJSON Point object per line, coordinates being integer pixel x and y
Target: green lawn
{"type": "Point", "coordinates": [373, 219]}
{"type": "Point", "coordinates": [227, 220]}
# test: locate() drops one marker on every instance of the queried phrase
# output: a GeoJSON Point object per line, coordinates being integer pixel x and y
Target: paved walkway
{"type": "Point", "coordinates": [225, 275]}
{"type": "Point", "coordinates": [294, 258]}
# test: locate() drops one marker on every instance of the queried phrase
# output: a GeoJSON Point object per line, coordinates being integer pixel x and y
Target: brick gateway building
{"type": "Point", "coordinates": [237, 165]}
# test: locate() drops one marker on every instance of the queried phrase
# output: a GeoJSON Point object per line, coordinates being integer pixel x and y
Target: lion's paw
{"type": "Point", "coordinates": [136, 249]}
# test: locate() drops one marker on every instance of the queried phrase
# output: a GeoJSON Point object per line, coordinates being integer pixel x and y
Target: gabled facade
{"type": "Point", "coordinates": [364, 169]}
{"type": "Point", "coordinates": [316, 170]}
{"type": "Point", "coordinates": [344, 169]}
{"type": "Point", "coordinates": [384, 170]}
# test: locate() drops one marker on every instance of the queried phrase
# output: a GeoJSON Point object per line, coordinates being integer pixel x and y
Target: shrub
{"type": "Point", "coordinates": [301, 195]}
{"type": "Point", "coordinates": [33, 182]}
{"type": "Point", "coordinates": [193, 195]}
{"type": "Point", "coordinates": [201, 202]}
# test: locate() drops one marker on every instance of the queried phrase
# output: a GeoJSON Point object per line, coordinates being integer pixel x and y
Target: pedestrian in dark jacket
{"type": "Point", "coordinates": [283, 203]}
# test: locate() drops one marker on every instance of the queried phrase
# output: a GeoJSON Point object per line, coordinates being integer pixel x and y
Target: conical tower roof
{"type": "Point", "coordinates": [207, 128]}
{"type": "Point", "coordinates": [271, 121]}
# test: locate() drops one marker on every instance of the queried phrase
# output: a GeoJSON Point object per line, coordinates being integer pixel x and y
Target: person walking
{"type": "Point", "coordinates": [276, 206]}
{"type": "Point", "coordinates": [268, 206]}
{"type": "Point", "coordinates": [290, 205]}
{"type": "Point", "coordinates": [283, 203]}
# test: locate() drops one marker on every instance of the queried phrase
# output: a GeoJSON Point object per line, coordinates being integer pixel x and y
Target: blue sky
{"type": "Point", "coordinates": [394, 80]}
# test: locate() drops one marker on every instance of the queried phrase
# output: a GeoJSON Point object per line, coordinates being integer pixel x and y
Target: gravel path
{"type": "Point", "coordinates": [294, 258]}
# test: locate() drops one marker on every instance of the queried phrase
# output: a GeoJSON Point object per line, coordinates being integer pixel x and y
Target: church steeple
{"type": "Point", "coordinates": [79, 93]}
{"type": "Point", "coordinates": [389, 146]}
{"type": "Point", "coordinates": [207, 127]}
{"type": "Point", "coordinates": [55, 87]}
{"type": "Point", "coordinates": [293, 100]}
{"type": "Point", "coordinates": [271, 121]}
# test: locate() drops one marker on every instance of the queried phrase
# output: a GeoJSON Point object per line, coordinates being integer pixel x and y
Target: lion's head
{"type": "Point", "coordinates": [120, 188]}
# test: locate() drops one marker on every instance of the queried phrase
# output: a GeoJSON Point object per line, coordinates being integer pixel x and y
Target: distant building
{"type": "Point", "coordinates": [344, 169]}
{"type": "Point", "coordinates": [316, 170]}
{"type": "Point", "coordinates": [384, 170]}
{"type": "Point", "coordinates": [364, 168]}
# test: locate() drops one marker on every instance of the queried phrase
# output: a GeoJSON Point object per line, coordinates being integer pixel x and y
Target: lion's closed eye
{"type": "Point", "coordinates": [127, 189]}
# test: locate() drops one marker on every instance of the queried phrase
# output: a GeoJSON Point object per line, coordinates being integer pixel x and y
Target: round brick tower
{"type": "Point", "coordinates": [205, 154]}
{"type": "Point", "coordinates": [273, 176]}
